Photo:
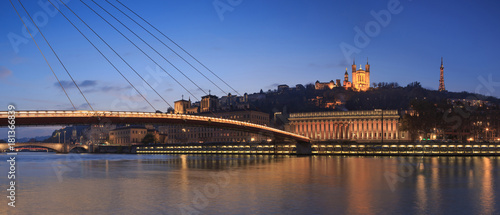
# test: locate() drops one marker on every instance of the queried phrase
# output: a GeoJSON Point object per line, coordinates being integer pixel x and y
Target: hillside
{"type": "Point", "coordinates": [386, 96]}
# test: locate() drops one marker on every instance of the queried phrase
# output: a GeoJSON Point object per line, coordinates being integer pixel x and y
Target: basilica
{"type": "Point", "coordinates": [360, 79]}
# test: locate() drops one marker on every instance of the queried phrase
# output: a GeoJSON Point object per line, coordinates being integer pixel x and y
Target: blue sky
{"type": "Point", "coordinates": [257, 45]}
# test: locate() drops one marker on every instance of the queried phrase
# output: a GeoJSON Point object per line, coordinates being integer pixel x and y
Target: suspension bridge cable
{"type": "Point", "coordinates": [57, 56]}
{"type": "Point", "coordinates": [147, 45]}
{"type": "Point", "coordinates": [141, 50]}
{"type": "Point", "coordinates": [121, 58]}
{"type": "Point", "coordinates": [102, 54]}
{"type": "Point", "coordinates": [145, 52]}
{"type": "Point", "coordinates": [39, 49]}
{"type": "Point", "coordinates": [213, 73]}
{"type": "Point", "coordinates": [178, 55]}
{"type": "Point", "coordinates": [157, 51]}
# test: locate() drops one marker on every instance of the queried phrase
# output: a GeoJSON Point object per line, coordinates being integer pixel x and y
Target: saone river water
{"type": "Point", "coordinates": [49, 183]}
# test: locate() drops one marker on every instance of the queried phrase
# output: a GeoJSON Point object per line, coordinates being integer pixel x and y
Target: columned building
{"type": "Point", "coordinates": [359, 126]}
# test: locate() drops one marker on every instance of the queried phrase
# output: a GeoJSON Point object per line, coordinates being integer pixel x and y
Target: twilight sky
{"type": "Point", "coordinates": [252, 45]}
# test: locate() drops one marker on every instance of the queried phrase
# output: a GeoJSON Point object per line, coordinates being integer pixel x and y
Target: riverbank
{"type": "Point", "coordinates": [399, 149]}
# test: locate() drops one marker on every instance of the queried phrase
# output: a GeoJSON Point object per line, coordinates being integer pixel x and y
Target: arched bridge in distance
{"type": "Point", "coordinates": [58, 147]}
{"type": "Point", "coordinates": [40, 118]}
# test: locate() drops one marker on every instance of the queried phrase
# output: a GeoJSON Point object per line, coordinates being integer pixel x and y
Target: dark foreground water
{"type": "Point", "coordinates": [242, 184]}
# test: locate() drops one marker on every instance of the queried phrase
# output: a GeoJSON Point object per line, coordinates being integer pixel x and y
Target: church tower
{"type": "Point", "coordinates": [441, 78]}
{"type": "Point", "coordinates": [354, 75]}
{"type": "Point", "coordinates": [347, 83]}
{"type": "Point", "coordinates": [367, 66]}
{"type": "Point", "coordinates": [346, 76]}
{"type": "Point", "coordinates": [353, 66]}
{"type": "Point", "coordinates": [367, 76]}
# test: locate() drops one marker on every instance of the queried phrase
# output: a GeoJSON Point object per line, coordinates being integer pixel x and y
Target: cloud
{"type": "Point", "coordinates": [4, 72]}
{"type": "Point", "coordinates": [107, 89]}
{"type": "Point", "coordinates": [91, 86]}
{"type": "Point", "coordinates": [84, 106]}
{"type": "Point", "coordinates": [88, 83]}
{"type": "Point", "coordinates": [70, 84]}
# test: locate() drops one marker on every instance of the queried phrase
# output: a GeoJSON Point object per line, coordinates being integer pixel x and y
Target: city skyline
{"type": "Point", "coordinates": [252, 46]}
{"type": "Point", "coordinates": [302, 51]}
{"type": "Point", "coordinates": [249, 107]}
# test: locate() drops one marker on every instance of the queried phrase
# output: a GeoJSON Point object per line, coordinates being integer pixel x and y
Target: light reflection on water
{"type": "Point", "coordinates": [245, 184]}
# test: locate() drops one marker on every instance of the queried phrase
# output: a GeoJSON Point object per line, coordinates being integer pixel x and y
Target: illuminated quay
{"type": "Point", "coordinates": [325, 149]}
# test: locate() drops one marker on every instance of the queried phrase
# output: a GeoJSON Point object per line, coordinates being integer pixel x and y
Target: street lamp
{"type": "Point", "coordinates": [487, 129]}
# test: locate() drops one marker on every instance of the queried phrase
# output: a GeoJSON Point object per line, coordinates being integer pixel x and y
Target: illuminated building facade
{"type": "Point", "coordinates": [359, 126]}
{"type": "Point", "coordinates": [347, 83]}
{"type": "Point", "coordinates": [126, 136]}
{"type": "Point", "coordinates": [182, 106]}
{"type": "Point", "coordinates": [186, 134]}
{"type": "Point", "coordinates": [209, 103]}
{"type": "Point", "coordinates": [324, 86]}
{"type": "Point", "coordinates": [360, 80]}
{"type": "Point", "coordinates": [360, 77]}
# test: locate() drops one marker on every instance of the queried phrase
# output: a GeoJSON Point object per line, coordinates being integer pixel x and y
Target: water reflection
{"type": "Point", "coordinates": [254, 184]}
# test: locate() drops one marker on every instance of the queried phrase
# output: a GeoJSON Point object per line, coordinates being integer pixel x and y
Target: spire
{"type": "Point", "coordinates": [346, 70]}
{"type": "Point", "coordinates": [367, 61]}
{"type": "Point", "coordinates": [441, 77]}
{"type": "Point", "coordinates": [354, 61]}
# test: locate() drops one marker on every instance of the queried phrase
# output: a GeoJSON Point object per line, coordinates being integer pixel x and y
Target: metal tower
{"type": "Point", "coordinates": [441, 79]}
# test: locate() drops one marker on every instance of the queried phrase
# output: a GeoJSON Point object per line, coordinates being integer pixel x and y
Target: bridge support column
{"type": "Point", "coordinates": [303, 148]}
{"type": "Point", "coordinates": [64, 148]}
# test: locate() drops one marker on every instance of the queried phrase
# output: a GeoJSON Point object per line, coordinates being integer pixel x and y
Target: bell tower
{"type": "Point", "coordinates": [353, 66]}
{"type": "Point", "coordinates": [354, 75]}
{"type": "Point", "coordinates": [367, 66]}
{"type": "Point", "coordinates": [346, 75]}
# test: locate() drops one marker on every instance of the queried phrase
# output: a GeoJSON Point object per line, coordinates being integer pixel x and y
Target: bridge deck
{"type": "Point", "coordinates": [125, 117]}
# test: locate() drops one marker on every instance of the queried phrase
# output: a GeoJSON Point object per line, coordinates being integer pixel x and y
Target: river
{"type": "Point", "coordinates": [49, 183]}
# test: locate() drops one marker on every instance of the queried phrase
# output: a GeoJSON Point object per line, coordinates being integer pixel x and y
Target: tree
{"type": "Point", "coordinates": [149, 138]}
{"type": "Point", "coordinates": [423, 117]}
{"type": "Point", "coordinates": [414, 84]}
{"type": "Point", "coordinates": [410, 124]}
{"type": "Point", "coordinates": [170, 110]}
